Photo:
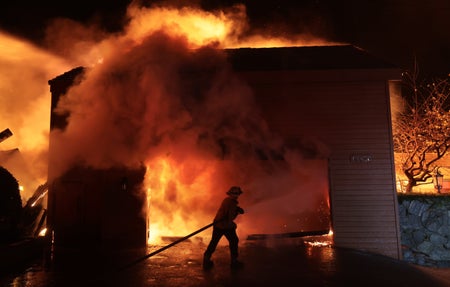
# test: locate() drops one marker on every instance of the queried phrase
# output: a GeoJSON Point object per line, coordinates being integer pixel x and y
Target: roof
{"type": "Point", "coordinates": [305, 58]}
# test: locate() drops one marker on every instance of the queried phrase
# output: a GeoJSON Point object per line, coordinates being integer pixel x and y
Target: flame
{"type": "Point", "coordinates": [39, 198]}
{"type": "Point", "coordinates": [43, 232]}
{"type": "Point", "coordinates": [183, 196]}
{"type": "Point", "coordinates": [227, 28]}
{"type": "Point", "coordinates": [174, 191]}
{"type": "Point", "coordinates": [183, 191]}
{"type": "Point", "coordinates": [320, 241]}
{"type": "Point", "coordinates": [198, 26]}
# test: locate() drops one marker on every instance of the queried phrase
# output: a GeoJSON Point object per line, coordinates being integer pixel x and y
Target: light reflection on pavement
{"type": "Point", "coordinates": [277, 262]}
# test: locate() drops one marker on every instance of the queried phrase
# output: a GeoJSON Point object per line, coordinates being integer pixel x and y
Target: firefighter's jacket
{"type": "Point", "coordinates": [226, 214]}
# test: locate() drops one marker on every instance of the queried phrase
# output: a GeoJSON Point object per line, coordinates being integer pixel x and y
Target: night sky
{"type": "Point", "coordinates": [398, 31]}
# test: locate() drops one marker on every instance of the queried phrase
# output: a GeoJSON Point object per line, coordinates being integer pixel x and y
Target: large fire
{"type": "Point", "coordinates": [175, 190]}
{"type": "Point", "coordinates": [227, 29]}
{"type": "Point", "coordinates": [133, 107]}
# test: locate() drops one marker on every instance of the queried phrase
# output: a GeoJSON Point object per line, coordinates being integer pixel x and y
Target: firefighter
{"type": "Point", "coordinates": [224, 225]}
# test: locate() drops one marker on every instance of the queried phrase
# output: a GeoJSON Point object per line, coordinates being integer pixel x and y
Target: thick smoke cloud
{"type": "Point", "coordinates": [157, 95]}
{"type": "Point", "coordinates": [162, 99]}
{"type": "Point", "coordinates": [142, 101]}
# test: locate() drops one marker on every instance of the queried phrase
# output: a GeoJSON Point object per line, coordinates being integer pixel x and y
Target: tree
{"type": "Point", "coordinates": [421, 130]}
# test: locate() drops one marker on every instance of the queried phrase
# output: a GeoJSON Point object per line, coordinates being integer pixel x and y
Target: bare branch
{"type": "Point", "coordinates": [422, 129]}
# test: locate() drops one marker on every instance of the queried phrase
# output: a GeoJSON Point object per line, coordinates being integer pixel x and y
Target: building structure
{"type": "Point", "coordinates": [337, 95]}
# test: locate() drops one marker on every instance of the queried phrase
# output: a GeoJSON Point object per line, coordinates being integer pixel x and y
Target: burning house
{"type": "Point", "coordinates": [306, 132]}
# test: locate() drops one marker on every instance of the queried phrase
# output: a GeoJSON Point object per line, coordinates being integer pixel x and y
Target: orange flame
{"type": "Point", "coordinates": [222, 29]}
{"type": "Point", "coordinates": [174, 191]}
{"type": "Point", "coordinates": [226, 29]}
{"type": "Point", "coordinates": [175, 185]}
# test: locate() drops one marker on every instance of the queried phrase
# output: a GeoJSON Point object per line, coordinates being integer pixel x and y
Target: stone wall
{"type": "Point", "coordinates": [425, 229]}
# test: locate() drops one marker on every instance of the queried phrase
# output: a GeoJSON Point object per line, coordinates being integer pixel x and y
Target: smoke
{"type": "Point", "coordinates": [86, 44]}
{"type": "Point", "coordinates": [161, 93]}
{"type": "Point", "coordinates": [25, 107]}
{"type": "Point", "coordinates": [397, 101]}
{"type": "Point", "coordinates": [139, 101]}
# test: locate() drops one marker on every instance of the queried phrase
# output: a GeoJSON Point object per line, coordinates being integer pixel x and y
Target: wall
{"type": "Point", "coordinates": [92, 208]}
{"type": "Point", "coordinates": [348, 113]}
{"type": "Point", "coordinates": [425, 229]}
{"type": "Point", "coordinates": [99, 209]}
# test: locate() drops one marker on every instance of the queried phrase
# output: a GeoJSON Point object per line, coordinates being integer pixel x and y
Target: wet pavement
{"type": "Point", "coordinates": [276, 262]}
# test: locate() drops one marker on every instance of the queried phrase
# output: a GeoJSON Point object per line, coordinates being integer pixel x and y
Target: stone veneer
{"type": "Point", "coordinates": [425, 229]}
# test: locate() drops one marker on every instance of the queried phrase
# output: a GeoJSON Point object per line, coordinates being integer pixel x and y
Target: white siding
{"type": "Point", "coordinates": [349, 113]}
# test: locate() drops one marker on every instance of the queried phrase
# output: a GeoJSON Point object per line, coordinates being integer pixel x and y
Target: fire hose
{"type": "Point", "coordinates": [165, 247]}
